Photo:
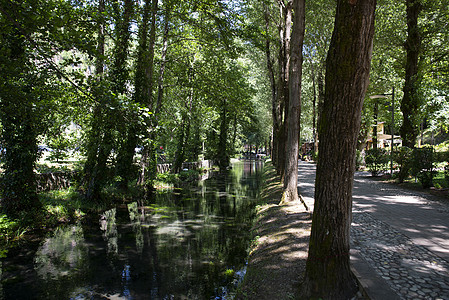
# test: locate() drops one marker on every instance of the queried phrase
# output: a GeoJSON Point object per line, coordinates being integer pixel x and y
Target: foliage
{"type": "Point", "coordinates": [183, 176]}
{"type": "Point", "coordinates": [423, 165]}
{"type": "Point", "coordinates": [10, 230]}
{"type": "Point", "coordinates": [376, 160]}
{"type": "Point", "coordinates": [403, 157]}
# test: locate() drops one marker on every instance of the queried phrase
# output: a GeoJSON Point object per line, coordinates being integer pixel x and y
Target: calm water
{"type": "Point", "coordinates": [186, 244]}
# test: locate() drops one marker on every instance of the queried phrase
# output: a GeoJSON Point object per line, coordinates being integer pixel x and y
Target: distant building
{"type": "Point", "coordinates": [383, 140]}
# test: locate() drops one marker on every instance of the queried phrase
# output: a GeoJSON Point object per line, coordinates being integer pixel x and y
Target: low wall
{"type": "Point", "coordinates": [54, 181]}
{"type": "Point", "coordinates": [62, 180]}
{"type": "Point", "coordinates": [162, 168]}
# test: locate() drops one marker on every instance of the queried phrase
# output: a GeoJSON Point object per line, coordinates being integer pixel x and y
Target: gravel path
{"type": "Point", "coordinates": [403, 235]}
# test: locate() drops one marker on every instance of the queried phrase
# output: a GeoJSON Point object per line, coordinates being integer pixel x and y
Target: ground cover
{"type": "Point", "coordinates": [279, 251]}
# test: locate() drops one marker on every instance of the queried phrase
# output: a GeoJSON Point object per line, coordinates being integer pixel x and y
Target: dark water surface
{"type": "Point", "coordinates": [188, 243]}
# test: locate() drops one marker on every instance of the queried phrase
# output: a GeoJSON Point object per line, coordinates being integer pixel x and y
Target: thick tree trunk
{"type": "Point", "coordinates": [147, 95]}
{"type": "Point", "coordinates": [328, 273]}
{"type": "Point", "coordinates": [284, 86]}
{"type": "Point", "coordinates": [293, 122]}
{"type": "Point", "coordinates": [119, 78]}
{"type": "Point", "coordinates": [93, 172]}
{"type": "Point", "coordinates": [410, 102]}
{"type": "Point", "coordinates": [152, 162]}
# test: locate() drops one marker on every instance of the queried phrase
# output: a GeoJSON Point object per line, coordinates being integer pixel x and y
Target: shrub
{"type": "Point", "coordinates": [403, 157]}
{"type": "Point", "coordinates": [422, 165]}
{"type": "Point", "coordinates": [376, 160]}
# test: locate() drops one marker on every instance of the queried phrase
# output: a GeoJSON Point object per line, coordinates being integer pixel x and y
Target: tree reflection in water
{"type": "Point", "coordinates": [188, 243]}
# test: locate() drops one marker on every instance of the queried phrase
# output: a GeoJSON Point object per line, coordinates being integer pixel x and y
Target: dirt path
{"type": "Point", "coordinates": [278, 257]}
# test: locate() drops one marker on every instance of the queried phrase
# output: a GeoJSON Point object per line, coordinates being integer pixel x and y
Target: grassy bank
{"type": "Point", "coordinates": [279, 251]}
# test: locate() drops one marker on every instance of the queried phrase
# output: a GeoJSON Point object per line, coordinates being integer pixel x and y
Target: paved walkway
{"type": "Point", "coordinates": [399, 238]}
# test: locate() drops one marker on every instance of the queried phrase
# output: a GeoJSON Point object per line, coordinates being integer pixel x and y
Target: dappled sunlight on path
{"type": "Point", "coordinates": [402, 235]}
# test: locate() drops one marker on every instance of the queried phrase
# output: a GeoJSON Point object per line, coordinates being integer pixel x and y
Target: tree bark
{"type": "Point", "coordinates": [284, 85]}
{"type": "Point", "coordinates": [94, 174]}
{"type": "Point", "coordinates": [294, 111]}
{"type": "Point", "coordinates": [271, 75]}
{"type": "Point", "coordinates": [328, 273]}
{"type": "Point", "coordinates": [147, 96]}
{"type": "Point", "coordinates": [120, 76]}
{"type": "Point", "coordinates": [411, 102]}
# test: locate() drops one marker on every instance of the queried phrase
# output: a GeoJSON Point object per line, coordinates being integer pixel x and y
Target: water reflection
{"type": "Point", "coordinates": [61, 255]}
{"type": "Point", "coordinates": [185, 244]}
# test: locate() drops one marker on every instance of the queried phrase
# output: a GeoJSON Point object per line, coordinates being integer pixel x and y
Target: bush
{"type": "Point", "coordinates": [10, 230]}
{"type": "Point", "coordinates": [376, 160]}
{"type": "Point", "coordinates": [422, 165]}
{"type": "Point", "coordinates": [403, 157]}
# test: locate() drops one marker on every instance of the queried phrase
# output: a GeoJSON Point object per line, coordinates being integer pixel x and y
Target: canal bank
{"type": "Point", "coordinates": [278, 253]}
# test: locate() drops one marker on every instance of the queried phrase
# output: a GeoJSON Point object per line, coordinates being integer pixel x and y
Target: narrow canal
{"type": "Point", "coordinates": [188, 243]}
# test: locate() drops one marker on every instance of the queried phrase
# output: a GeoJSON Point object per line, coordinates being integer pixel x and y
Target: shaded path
{"type": "Point", "coordinates": [402, 235]}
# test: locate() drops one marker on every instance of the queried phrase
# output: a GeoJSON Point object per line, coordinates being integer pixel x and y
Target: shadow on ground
{"type": "Point", "coordinates": [279, 252]}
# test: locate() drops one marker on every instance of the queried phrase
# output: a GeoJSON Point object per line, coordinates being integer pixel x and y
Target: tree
{"type": "Point", "coordinates": [26, 73]}
{"type": "Point", "coordinates": [99, 144]}
{"type": "Point", "coordinates": [328, 274]}
{"type": "Point", "coordinates": [293, 118]}
{"type": "Point", "coordinates": [411, 102]}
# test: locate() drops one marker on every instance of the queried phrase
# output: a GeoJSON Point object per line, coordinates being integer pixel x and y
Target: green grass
{"type": "Point", "coordinates": [10, 231]}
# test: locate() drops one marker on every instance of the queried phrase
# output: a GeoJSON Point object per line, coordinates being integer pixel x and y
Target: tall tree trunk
{"type": "Point", "coordinates": [271, 75]}
{"type": "Point", "coordinates": [314, 108]}
{"type": "Point", "coordinates": [152, 163]}
{"type": "Point", "coordinates": [319, 105]}
{"type": "Point", "coordinates": [147, 100]}
{"type": "Point", "coordinates": [282, 93]}
{"type": "Point", "coordinates": [286, 87]}
{"type": "Point", "coordinates": [141, 83]}
{"type": "Point", "coordinates": [294, 112]}
{"type": "Point", "coordinates": [223, 151]}
{"type": "Point", "coordinates": [119, 73]}
{"type": "Point", "coordinates": [411, 102]}
{"type": "Point", "coordinates": [119, 78]}
{"type": "Point", "coordinates": [93, 173]}
{"type": "Point", "coordinates": [328, 273]}
{"type": "Point", "coordinates": [184, 129]}
{"type": "Point", "coordinates": [278, 107]}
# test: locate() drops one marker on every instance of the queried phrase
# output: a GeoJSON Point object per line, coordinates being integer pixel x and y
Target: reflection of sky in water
{"type": "Point", "coordinates": [126, 278]}
{"type": "Point", "coordinates": [179, 246]}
